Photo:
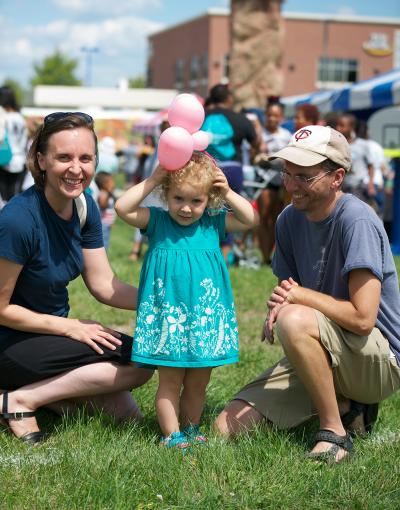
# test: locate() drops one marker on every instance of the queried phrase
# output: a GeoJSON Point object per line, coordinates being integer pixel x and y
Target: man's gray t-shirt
{"type": "Point", "coordinates": [320, 255]}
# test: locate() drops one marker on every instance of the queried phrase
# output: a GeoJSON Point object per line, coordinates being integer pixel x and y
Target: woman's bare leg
{"type": "Point", "coordinates": [121, 406]}
{"type": "Point", "coordinates": [87, 381]}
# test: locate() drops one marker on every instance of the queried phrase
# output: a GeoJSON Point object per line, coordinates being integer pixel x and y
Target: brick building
{"type": "Point", "coordinates": [320, 51]}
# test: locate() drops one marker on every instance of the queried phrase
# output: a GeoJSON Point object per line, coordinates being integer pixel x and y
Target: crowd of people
{"type": "Point", "coordinates": [316, 218]}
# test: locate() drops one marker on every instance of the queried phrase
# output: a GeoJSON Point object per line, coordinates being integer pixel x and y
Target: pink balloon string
{"type": "Point", "coordinates": [209, 156]}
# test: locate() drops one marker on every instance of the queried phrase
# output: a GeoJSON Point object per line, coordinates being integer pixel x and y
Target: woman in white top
{"type": "Point", "coordinates": [12, 174]}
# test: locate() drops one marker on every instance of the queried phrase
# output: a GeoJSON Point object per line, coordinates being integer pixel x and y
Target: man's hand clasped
{"type": "Point", "coordinates": [280, 297]}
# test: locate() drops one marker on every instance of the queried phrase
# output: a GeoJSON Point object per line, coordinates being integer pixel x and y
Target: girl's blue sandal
{"type": "Point", "coordinates": [194, 436]}
{"type": "Point", "coordinates": [175, 440]}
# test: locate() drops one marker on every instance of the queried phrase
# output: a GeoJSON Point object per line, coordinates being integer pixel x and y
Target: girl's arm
{"type": "Point", "coordinates": [21, 318]}
{"type": "Point", "coordinates": [244, 216]}
{"type": "Point", "coordinates": [127, 206]}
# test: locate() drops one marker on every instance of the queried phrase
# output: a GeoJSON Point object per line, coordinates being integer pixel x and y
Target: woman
{"type": "Point", "coordinates": [12, 174]}
{"type": "Point", "coordinates": [45, 357]}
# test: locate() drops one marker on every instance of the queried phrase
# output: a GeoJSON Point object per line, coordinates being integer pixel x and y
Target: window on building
{"type": "Point", "coordinates": [194, 70]}
{"type": "Point", "coordinates": [204, 69]}
{"type": "Point", "coordinates": [226, 66]}
{"type": "Point", "coordinates": [179, 73]}
{"type": "Point", "coordinates": [337, 70]}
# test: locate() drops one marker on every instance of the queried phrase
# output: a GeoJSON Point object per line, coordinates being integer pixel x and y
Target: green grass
{"type": "Point", "coordinates": [91, 463]}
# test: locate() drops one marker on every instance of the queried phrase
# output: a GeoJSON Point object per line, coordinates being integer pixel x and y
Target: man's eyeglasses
{"type": "Point", "coordinates": [53, 117]}
{"type": "Point", "coordinates": [302, 180]}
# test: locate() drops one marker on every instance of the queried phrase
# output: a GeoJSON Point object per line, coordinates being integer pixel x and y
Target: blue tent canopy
{"type": "Point", "coordinates": [377, 92]}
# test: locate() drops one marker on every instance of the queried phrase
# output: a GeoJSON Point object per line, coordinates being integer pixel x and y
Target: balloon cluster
{"type": "Point", "coordinates": [177, 143]}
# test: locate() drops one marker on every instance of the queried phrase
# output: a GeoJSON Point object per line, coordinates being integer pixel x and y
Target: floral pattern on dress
{"type": "Point", "coordinates": [207, 332]}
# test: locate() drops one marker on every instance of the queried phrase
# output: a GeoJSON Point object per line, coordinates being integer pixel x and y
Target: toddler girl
{"type": "Point", "coordinates": [186, 320]}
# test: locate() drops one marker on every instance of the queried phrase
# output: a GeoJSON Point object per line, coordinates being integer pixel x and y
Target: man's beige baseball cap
{"type": "Point", "coordinates": [313, 144]}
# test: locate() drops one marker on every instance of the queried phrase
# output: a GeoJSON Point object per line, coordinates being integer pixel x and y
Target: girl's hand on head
{"type": "Point", "coordinates": [94, 334]}
{"type": "Point", "coordinates": [221, 182]}
{"type": "Point", "coordinates": [158, 175]}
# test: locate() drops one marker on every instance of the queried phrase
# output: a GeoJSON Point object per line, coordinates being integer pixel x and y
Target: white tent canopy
{"type": "Point", "coordinates": [377, 92]}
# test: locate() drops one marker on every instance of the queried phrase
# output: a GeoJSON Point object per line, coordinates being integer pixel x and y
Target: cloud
{"type": "Point", "coordinates": [23, 48]}
{"type": "Point", "coordinates": [107, 7]}
{"type": "Point", "coordinates": [111, 36]}
{"type": "Point", "coordinates": [346, 11]}
{"type": "Point", "coordinates": [126, 33]}
{"type": "Point", "coordinates": [121, 43]}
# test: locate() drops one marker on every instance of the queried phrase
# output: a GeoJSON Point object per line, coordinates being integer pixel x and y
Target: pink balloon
{"type": "Point", "coordinates": [175, 148]}
{"type": "Point", "coordinates": [201, 139]}
{"type": "Point", "coordinates": [187, 112]}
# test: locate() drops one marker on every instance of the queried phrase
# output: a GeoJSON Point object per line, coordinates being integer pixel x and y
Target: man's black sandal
{"type": "Point", "coordinates": [329, 456]}
{"type": "Point", "coordinates": [31, 438]}
{"type": "Point", "coordinates": [369, 412]}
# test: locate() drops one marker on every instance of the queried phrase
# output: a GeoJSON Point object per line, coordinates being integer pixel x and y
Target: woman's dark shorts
{"type": "Point", "coordinates": [26, 358]}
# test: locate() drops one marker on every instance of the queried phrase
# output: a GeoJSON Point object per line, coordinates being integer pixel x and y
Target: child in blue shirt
{"type": "Point", "coordinates": [186, 321]}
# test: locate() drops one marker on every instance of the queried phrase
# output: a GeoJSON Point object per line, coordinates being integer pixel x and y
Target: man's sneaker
{"type": "Point", "coordinates": [194, 436]}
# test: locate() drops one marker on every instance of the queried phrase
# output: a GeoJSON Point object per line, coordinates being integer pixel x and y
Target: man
{"type": "Point", "coordinates": [360, 180]}
{"type": "Point", "coordinates": [336, 309]}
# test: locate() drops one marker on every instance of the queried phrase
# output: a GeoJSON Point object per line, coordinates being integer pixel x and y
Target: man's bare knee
{"type": "Point", "coordinates": [238, 416]}
{"type": "Point", "coordinates": [295, 321]}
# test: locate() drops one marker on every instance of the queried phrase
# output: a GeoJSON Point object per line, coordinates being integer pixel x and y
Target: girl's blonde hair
{"type": "Point", "coordinates": [198, 171]}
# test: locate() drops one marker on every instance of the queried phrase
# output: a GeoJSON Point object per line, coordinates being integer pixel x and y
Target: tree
{"type": "Point", "coordinates": [56, 69]}
{"type": "Point", "coordinates": [137, 82]}
{"type": "Point", "coordinates": [16, 87]}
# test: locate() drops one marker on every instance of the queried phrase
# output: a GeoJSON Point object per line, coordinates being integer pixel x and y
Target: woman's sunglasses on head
{"type": "Point", "coordinates": [52, 117]}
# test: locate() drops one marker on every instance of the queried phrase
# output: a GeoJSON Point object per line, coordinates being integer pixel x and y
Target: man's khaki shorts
{"type": "Point", "coordinates": [364, 369]}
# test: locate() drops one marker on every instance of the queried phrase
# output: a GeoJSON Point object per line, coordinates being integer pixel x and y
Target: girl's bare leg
{"type": "Point", "coordinates": [167, 398]}
{"type": "Point", "coordinates": [193, 396]}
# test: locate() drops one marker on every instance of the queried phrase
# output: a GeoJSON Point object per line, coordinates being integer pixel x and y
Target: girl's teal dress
{"type": "Point", "coordinates": [186, 315]}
